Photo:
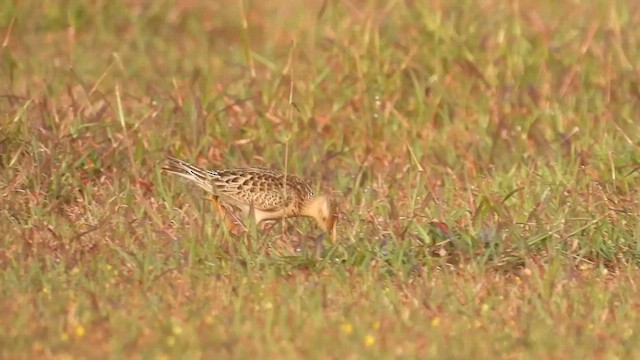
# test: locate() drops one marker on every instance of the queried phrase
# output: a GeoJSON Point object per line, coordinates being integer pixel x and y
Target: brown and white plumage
{"type": "Point", "coordinates": [260, 191]}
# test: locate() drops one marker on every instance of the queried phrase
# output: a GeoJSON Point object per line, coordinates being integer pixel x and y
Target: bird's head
{"type": "Point", "coordinates": [324, 210]}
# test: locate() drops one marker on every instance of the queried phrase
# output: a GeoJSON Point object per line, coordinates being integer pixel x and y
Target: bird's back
{"type": "Point", "coordinates": [262, 188]}
{"type": "Point", "coordinates": [257, 187]}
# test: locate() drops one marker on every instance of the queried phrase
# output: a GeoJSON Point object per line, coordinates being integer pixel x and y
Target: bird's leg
{"type": "Point", "coordinates": [251, 218]}
{"type": "Point", "coordinates": [284, 228]}
{"type": "Point", "coordinates": [231, 226]}
{"type": "Point", "coordinates": [284, 236]}
{"type": "Point", "coordinates": [267, 225]}
{"type": "Point", "coordinates": [319, 242]}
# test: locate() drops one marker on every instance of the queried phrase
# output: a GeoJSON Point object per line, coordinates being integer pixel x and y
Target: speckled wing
{"type": "Point", "coordinates": [261, 188]}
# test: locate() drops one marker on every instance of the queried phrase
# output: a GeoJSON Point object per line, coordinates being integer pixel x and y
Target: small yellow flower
{"type": "Point", "coordinates": [435, 322]}
{"type": "Point", "coordinates": [80, 331]}
{"type": "Point", "coordinates": [484, 308]}
{"type": "Point", "coordinates": [346, 328]}
{"type": "Point", "coordinates": [369, 340]}
{"type": "Point", "coordinates": [176, 329]}
{"type": "Point", "coordinates": [171, 340]}
{"type": "Point", "coordinates": [376, 325]}
{"type": "Point", "coordinates": [628, 333]}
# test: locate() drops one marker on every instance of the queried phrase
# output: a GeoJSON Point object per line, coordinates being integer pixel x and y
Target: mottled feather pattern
{"type": "Point", "coordinates": [264, 188]}
{"type": "Point", "coordinates": [261, 187]}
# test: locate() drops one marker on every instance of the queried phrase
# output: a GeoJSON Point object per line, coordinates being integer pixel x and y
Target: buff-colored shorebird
{"type": "Point", "coordinates": [261, 192]}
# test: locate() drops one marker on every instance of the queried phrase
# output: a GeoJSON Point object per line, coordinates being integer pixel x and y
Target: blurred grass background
{"type": "Point", "coordinates": [485, 156]}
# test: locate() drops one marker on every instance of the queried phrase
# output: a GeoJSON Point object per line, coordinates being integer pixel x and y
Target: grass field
{"type": "Point", "coordinates": [484, 154]}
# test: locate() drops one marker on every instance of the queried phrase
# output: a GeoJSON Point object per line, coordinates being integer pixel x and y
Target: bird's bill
{"type": "Point", "coordinates": [330, 225]}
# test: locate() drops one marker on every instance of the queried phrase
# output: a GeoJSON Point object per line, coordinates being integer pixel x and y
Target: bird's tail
{"type": "Point", "coordinates": [202, 178]}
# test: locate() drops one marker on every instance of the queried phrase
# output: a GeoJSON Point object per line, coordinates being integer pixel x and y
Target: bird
{"type": "Point", "coordinates": [261, 193]}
